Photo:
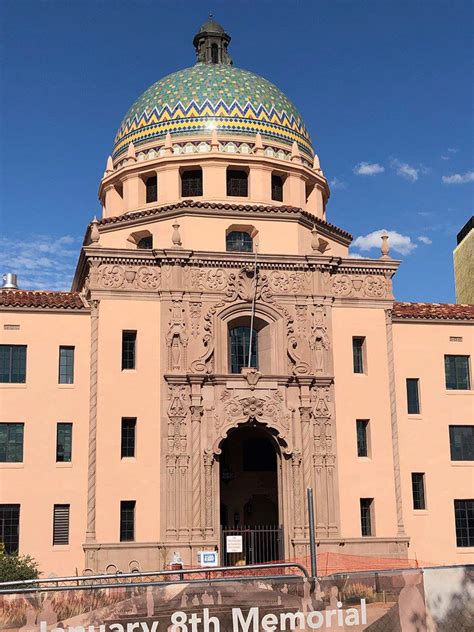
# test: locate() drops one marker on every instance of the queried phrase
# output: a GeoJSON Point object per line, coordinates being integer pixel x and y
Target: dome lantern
{"type": "Point", "coordinates": [211, 43]}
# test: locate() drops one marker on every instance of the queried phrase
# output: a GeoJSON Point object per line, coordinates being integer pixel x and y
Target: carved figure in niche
{"type": "Point", "coordinates": [176, 338]}
{"type": "Point", "coordinates": [319, 339]}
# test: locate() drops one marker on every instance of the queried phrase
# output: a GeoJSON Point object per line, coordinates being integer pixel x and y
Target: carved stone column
{"type": "Point", "coordinates": [208, 504]}
{"type": "Point", "coordinates": [297, 505]}
{"type": "Point", "coordinates": [183, 497]}
{"type": "Point", "coordinates": [394, 423]}
{"type": "Point", "coordinates": [320, 495]}
{"type": "Point", "coordinates": [171, 495]}
{"type": "Point", "coordinates": [305, 416]}
{"type": "Point", "coordinates": [330, 462]}
{"type": "Point", "coordinates": [196, 414]}
{"type": "Point", "coordinates": [92, 458]}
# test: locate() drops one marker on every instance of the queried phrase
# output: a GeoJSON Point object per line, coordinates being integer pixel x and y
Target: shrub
{"type": "Point", "coordinates": [14, 567]}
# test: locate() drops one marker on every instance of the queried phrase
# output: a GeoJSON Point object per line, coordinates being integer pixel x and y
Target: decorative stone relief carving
{"type": "Point", "coordinates": [289, 282]}
{"type": "Point", "coordinates": [364, 286]}
{"type": "Point", "coordinates": [177, 411]}
{"type": "Point", "coordinates": [319, 340]}
{"type": "Point", "coordinates": [117, 276]}
{"type": "Point", "coordinates": [320, 402]}
{"type": "Point", "coordinates": [204, 364]}
{"type": "Point", "coordinates": [195, 309]}
{"type": "Point", "coordinates": [176, 338]}
{"type": "Point", "coordinates": [245, 285]}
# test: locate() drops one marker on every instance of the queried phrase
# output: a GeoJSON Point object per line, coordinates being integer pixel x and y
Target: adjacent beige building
{"type": "Point", "coordinates": [464, 263]}
{"type": "Point", "coordinates": [220, 352]}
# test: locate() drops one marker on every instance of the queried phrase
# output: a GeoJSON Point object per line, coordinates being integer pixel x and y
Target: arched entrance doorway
{"type": "Point", "coordinates": [249, 500]}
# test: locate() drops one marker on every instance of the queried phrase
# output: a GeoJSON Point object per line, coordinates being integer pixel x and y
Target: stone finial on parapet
{"type": "Point", "coordinates": [295, 152]}
{"type": "Point", "coordinates": [314, 239]}
{"type": "Point", "coordinates": [110, 166]}
{"type": "Point", "coordinates": [95, 235]}
{"type": "Point", "coordinates": [385, 247]}
{"type": "Point", "coordinates": [214, 141]}
{"type": "Point", "coordinates": [317, 164]}
{"type": "Point", "coordinates": [176, 237]}
{"type": "Point", "coordinates": [131, 154]}
{"type": "Point", "coordinates": [258, 144]}
{"type": "Point", "coordinates": [168, 145]}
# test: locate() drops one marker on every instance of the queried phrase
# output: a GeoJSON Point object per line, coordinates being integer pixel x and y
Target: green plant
{"type": "Point", "coordinates": [14, 567]}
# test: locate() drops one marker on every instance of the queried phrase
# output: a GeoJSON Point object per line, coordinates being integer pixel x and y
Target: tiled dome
{"type": "Point", "coordinates": [212, 96]}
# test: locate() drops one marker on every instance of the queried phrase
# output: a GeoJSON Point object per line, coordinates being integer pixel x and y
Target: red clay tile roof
{"type": "Point", "coordinates": [241, 208]}
{"type": "Point", "coordinates": [433, 311]}
{"type": "Point", "coordinates": [41, 298]}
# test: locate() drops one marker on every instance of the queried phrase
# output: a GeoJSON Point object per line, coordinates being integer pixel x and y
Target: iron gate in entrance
{"type": "Point", "coordinates": [258, 544]}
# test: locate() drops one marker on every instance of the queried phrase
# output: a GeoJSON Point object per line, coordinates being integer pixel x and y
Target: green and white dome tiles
{"type": "Point", "coordinates": [212, 96]}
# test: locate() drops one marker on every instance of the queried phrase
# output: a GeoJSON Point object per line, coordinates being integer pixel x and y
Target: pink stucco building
{"type": "Point", "coordinates": [219, 352]}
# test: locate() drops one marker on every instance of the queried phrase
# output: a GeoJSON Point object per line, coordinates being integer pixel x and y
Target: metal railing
{"type": "Point", "coordinates": [149, 578]}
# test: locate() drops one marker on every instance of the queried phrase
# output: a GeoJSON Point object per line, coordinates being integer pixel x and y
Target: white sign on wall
{"type": "Point", "coordinates": [234, 544]}
{"type": "Point", "coordinates": [208, 558]}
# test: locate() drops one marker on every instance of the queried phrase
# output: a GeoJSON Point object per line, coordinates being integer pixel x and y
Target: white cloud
{"type": "Point", "coordinates": [335, 183]}
{"type": "Point", "coordinates": [43, 262]}
{"type": "Point", "coordinates": [396, 241]}
{"type": "Point", "coordinates": [445, 157]}
{"type": "Point", "coordinates": [368, 169]}
{"type": "Point", "coordinates": [405, 170]}
{"type": "Point", "coordinates": [424, 240]}
{"type": "Point", "coordinates": [459, 178]}
{"type": "Point", "coordinates": [453, 150]}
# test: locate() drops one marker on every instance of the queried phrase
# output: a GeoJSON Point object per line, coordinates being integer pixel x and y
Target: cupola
{"type": "Point", "coordinates": [211, 43]}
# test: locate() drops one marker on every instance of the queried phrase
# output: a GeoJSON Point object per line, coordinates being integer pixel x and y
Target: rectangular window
{"type": "Point", "coordinates": [191, 183]}
{"type": "Point", "coordinates": [66, 365]}
{"type": "Point", "coordinates": [413, 395]}
{"type": "Point", "coordinates": [461, 442]}
{"type": "Point", "coordinates": [366, 509]}
{"type": "Point", "coordinates": [457, 372]}
{"type": "Point", "coordinates": [362, 437]}
{"type": "Point", "coordinates": [10, 527]}
{"type": "Point", "coordinates": [64, 442]}
{"type": "Point", "coordinates": [61, 524]}
{"type": "Point", "coordinates": [129, 342]}
{"type": "Point", "coordinates": [129, 425]}
{"type": "Point", "coordinates": [13, 364]}
{"type": "Point", "coordinates": [358, 348]}
{"type": "Point", "coordinates": [127, 520]}
{"type": "Point", "coordinates": [418, 489]}
{"type": "Point", "coordinates": [11, 443]}
{"type": "Point", "coordinates": [237, 183]}
{"type": "Point", "coordinates": [464, 517]}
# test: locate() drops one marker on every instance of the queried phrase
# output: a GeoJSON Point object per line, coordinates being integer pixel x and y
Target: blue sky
{"type": "Point", "coordinates": [383, 86]}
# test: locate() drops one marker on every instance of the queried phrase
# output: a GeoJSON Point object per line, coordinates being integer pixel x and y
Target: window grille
{"type": "Point", "coordinates": [418, 489]}
{"type": "Point", "coordinates": [64, 442]}
{"type": "Point", "coordinates": [461, 443]}
{"type": "Point", "coordinates": [128, 437]}
{"type": "Point", "coordinates": [362, 442]}
{"type": "Point", "coordinates": [464, 519]}
{"type": "Point", "coordinates": [239, 241]}
{"type": "Point", "coordinates": [277, 189]}
{"type": "Point", "coordinates": [61, 524]}
{"type": "Point", "coordinates": [366, 505]}
{"type": "Point", "coordinates": [457, 372]}
{"type": "Point", "coordinates": [13, 364]}
{"type": "Point", "coordinates": [237, 183]}
{"type": "Point", "coordinates": [151, 185]}
{"type": "Point", "coordinates": [191, 183]}
{"type": "Point", "coordinates": [10, 527]}
{"type": "Point", "coordinates": [129, 340]}
{"type": "Point", "coordinates": [66, 365]}
{"type": "Point", "coordinates": [239, 339]}
{"type": "Point", "coordinates": [413, 396]}
{"type": "Point", "coordinates": [358, 344]}
{"type": "Point", "coordinates": [127, 520]}
{"type": "Point", "coordinates": [11, 442]}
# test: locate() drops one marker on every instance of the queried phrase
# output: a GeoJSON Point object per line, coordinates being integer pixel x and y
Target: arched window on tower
{"type": "Point", "coordinates": [151, 184]}
{"type": "Point", "coordinates": [239, 241]}
{"type": "Point", "coordinates": [239, 346]}
{"type": "Point", "coordinates": [214, 54]}
{"type": "Point", "coordinates": [237, 183]}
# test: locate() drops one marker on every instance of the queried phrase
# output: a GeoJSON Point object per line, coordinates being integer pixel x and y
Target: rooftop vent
{"type": "Point", "coordinates": [10, 281]}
